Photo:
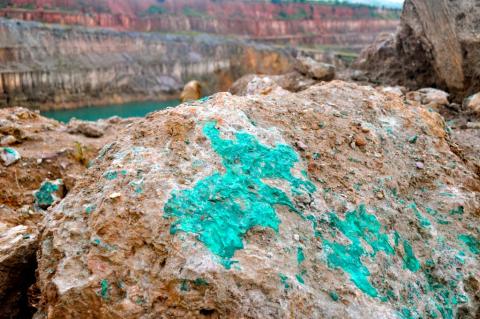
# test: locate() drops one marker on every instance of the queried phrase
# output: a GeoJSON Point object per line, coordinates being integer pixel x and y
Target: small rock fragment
{"type": "Point", "coordinates": [89, 129]}
{"type": "Point", "coordinates": [359, 75]}
{"type": "Point", "coordinates": [360, 141]}
{"type": "Point", "coordinates": [301, 146]}
{"type": "Point", "coordinates": [9, 155]}
{"type": "Point", "coordinates": [49, 192]}
{"type": "Point", "coordinates": [8, 140]}
{"type": "Point", "coordinates": [430, 97]}
{"type": "Point", "coordinates": [114, 119]}
{"type": "Point", "coordinates": [420, 165]}
{"type": "Point", "coordinates": [473, 125]}
{"type": "Point", "coordinates": [192, 91]}
{"type": "Point", "coordinates": [316, 70]}
{"type": "Point", "coordinates": [396, 90]}
{"type": "Point", "coordinates": [413, 139]}
{"type": "Point", "coordinates": [472, 104]}
{"type": "Point", "coordinates": [115, 195]}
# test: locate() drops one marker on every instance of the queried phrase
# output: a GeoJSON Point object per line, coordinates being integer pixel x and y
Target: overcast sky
{"type": "Point", "coordinates": [391, 3]}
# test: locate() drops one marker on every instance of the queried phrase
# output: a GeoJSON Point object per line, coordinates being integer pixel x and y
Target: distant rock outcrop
{"type": "Point", "coordinates": [437, 45]}
{"type": "Point", "coordinates": [314, 23]}
{"type": "Point", "coordinates": [50, 67]}
{"type": "Point", "coordinates": [339, 201]}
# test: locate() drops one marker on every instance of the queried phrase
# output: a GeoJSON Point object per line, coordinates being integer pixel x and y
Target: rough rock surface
{"type": "Point", "coordinates": [437, 45]}
{"type": "Point", "coordinates": [336, 202]}
{"type": "Point", "coordinates": [467, 137]}
{"type": "Point", "coordinates": [47, 151]}
{"type": "Point", "coordinates": [463, 122]}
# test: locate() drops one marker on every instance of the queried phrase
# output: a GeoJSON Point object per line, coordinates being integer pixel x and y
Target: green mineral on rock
{"type": "Point", "coordinates": [358, 227]}
{"type": "Point", "coordinates": [409, 259]}
{"type": "Point", "coordinates": [472, 243]}
{"type": "Point", "coordinates": [223, 207]}
{"type": "Point", "coordinates": [45, 195]}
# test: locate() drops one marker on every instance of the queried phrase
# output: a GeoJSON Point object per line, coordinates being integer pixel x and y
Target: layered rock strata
{"type": "Point", "coordinates": [46, 67]}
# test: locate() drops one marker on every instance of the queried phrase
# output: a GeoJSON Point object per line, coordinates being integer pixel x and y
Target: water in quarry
{"type": "Point", "coordinates": [93, 113]}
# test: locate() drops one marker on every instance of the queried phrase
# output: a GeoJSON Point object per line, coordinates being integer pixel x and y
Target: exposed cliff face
{"type": "Point", "coordinates": [293, 22]}
{"type": "Point", "coordinates": [52, 66]}
{"type": "Point", "coordinates": [437, 45]}
{"type": "Point", "coordinates": [127, 7]}
{"type": "Point", "coordinates": [346, 32]}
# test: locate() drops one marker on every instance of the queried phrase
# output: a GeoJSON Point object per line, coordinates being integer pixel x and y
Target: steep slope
{"type": "Point", "coordinates": [285, 22]}
{"type": "Point", "coordinates": [45, 66]}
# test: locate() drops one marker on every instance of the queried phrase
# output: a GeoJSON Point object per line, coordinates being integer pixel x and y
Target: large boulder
{"type": "Point", "coordinates": [336, 202]}
{"type": "Point", "coordinates": [437, 45]}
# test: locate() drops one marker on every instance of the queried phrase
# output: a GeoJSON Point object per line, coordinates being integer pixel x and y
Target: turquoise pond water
{"type": "Point", "coordinates": [93, 113]}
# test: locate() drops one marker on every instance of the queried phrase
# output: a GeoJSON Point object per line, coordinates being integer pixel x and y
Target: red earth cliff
{"type": "Point", "coordinates": [293, 22]}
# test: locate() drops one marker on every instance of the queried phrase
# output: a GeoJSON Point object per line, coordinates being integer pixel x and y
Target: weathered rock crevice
{"type": "Point", "coordinates": [18, 264]}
